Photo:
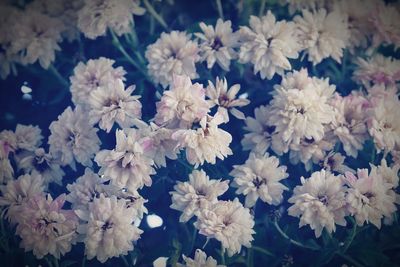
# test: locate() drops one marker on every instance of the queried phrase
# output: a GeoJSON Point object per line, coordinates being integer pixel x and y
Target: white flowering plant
{"type": "Point", "coordinates": [199, 133]}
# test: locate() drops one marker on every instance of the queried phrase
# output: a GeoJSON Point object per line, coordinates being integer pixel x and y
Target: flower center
{"type": "Point", "coordinates": [258, 182]}
{"type": "Point", "coordinates": [217, 44]}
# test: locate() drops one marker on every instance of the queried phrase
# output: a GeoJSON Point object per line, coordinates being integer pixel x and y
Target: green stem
{"type": "Point", "coordinates": [125, 261]}
{"type": "Point", "coordinates": [222, 253]}
{"type": "Point", "coordinates": [351, 237]}
{"type": "Point", "coordinates": [349, 259]}
{"type": "Point", "coordinates": [294, 242]}
{"type": "Point", "coordinates": [154, 13]}
{"type": "Point", "coordinates": [119, 46]}
{"type": "Point", "coordinates": [59, 77]}
{"type": "Point", "coordinates": [262, 8]}
{"type": "Point", "coordinates": [49, 264]}
{"type": "Point", "coordinates": [262, 250]}
{"type": "Point", "coordinates": [250, 258]}
{"type": "Point", "coordinates": [219, 7]}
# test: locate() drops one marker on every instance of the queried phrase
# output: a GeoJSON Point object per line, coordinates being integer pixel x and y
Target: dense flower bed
{"type": "Point", "coordinates": [187, 133]}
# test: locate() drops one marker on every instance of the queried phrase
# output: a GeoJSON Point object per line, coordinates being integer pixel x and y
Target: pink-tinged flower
{"type": "Point", "coordinates": [385, 19]}
{"type": "Point", "coordinates": [206, 143]}
{"type": "Point", "coordinates": [369, 197]}
{"type": "Point", "coordinates": [45, 228]}
{"type": "Point", "coordinates": [349, 125]}
{"type": "Point", "coordinates": [200, 260]}
{"type": "Point", "coordinates": [225, 99]}
{"type": "Point", "coordinates": [377, 69]}
{"type": "Point", "coordinates": [182, 105]}
{"type": "Point", "coordinates": [16, 192]}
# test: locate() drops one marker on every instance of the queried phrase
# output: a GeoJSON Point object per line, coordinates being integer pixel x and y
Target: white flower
{"type": "Point", "coordinates": [310, 151]}
{"type": "Point", "coordinates": [206, 143]}
{"type": "Point", "coordinates": [369, 198]}
{"type": "Point", "coordinates": [73, 138]}
{"type": "Point", "coordinates": [18, 191]}
{"type": "Point", "coordinates": [109, 231]}
{"type": "Point", "coordinates": [323, 34]}
{"type": "Point", "coordinates": [319, 201]}
{"type": "Point", "coordinates": [88, 77]}
{"type": "Point", "coordinates": [126, 165]}
{"type": "Point", "coordinates": [385, 19]}
{"type": "Point", "coordinates": [182, 105]}
{"type": "Point", "coordinates": [225, 99]}
{"type": "Point", "coordinates": [200, 260]}
{"type": "Point", "coordinates": [217, 45]}
{"type": "Point", "coordinates": [28, 137]}
{"type": "Point", "coordinates": [334, 162]}
{"type": "Point", "coordinates": [377, 69]}
{"type": "Point", "coordinates": [197, 194]}
{"type": "Point", "coordinates": [35, 37]}
{"type": "Point", "coordinates": [389, 175]}
{"type": "Point", "coordinates": [350, 122]}
{"type": "Point", "coordinates": [86, 188]}
{"type": "Point", "coordinates": [97, 16]}
{"type": "Point", "coordinates": [173, 53]}
{"type": "Point", "coordinates": [258, 140]}
{"type": "Point", "coordinates": [46, 228]}
{"type": "Point", "coordinates": [228, 222]}
{"type": "Point", "coordinates": [384, 123]}
{"type": "Point", "coordinates": [260, 178]}
{"type": "Point", "coordinates": [300, 109]}
{"type": "Point", "coordinates": [43, 163]}
{"type": "Point", "coordinates": [268, 44]}
{"type": "Point", "coordinates": [113, 103]}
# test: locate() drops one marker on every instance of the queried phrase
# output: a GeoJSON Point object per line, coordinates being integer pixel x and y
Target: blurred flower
{"type": "Point", "coordinates": [18, 191]}
{"type": "Point", "coordinates": [260, 178]}
{"type": "Point", "coordinates": [200, 260]}
{"type": "Point", "coordinates": [126, 165]}
{"type": "Point", "coordinates": [334, 162]}
{"type": "Point", "coordinates": [173, 53]}
{"type": "Point", "coordinates": [97, 16]}
{"type": "Point", "coordinates": [323, 34]}
{"type": "Point", "coordinates": [268, 44]}
{"type": "Point", "coordinates": [319, 201]}
{"type": "Point", "coordinates": [73, 138]}
{"type": "Point", "coordinates": [43, 163]}
{"type": "Point", "coordinates": [258, 140]}
{"type": "Point", "coordinates": [218, 45]}
{"type": "Point", "coordinates": [197, 194]}
{"type": "Point", "coordinates": [376, 70]}
{"type": "Point", "coordinates": [384, 124]}
{"type": "Point", "coordinates": [32, 38]}
{"type": "Point", "coordinates": [206, 143]}
{"type": "Point", "coordinates": [46, 228]}
{"type": "Point", "coordinates": [113, 103]}
{"type": "Point", "coordinates": [92, 75]}
{"type": "Point", "coordinates": [109, 230]}
{"type": "Point", "coordinates": [226, 99]}
{"type": "Point", "coordinates": [386, 31]}
{"type": "Point", "coordinates": [369, 197]}
{"type": "Point", "coordinates": [228, 222]}
{"type": "Point", "coordinates": [182, 105]}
